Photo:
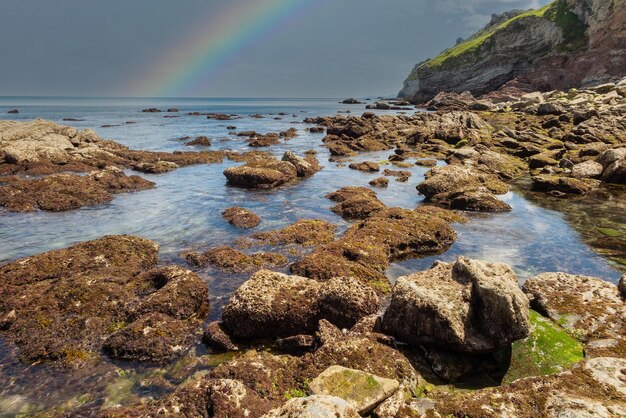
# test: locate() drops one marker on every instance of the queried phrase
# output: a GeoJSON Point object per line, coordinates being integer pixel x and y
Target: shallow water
{"type": "Point", "coordinates": [184, 211]}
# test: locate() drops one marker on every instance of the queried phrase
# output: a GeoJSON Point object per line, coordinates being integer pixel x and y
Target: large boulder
{"type": "Point", "coordinates": [103, 292]}
{"type": "Point", "coordinates": [277, 305]}
{"type": "Point", "coordinates": [590, 308]}
{"type": "Point", "coordinates": [469, 306]}
{"type": "Point", "coordinates": [614, 163]}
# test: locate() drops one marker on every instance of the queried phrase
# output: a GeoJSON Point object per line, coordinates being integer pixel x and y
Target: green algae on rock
{"type": "Point", "coordinates": [548, 349]}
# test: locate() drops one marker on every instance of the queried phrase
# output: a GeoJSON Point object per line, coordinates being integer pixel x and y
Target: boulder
{"type": "Point", "coordinates": [476, 201]}
{"type": "Point", "coordinates": [241, 217]}
{"type": "Point", "coordinates": [588, 169]}
{"type": "Point", "coordinates": [455, 178]}
{"type": "Point", "coordinates": [365, 166]}
{"type": "Point", "coordinates": [276, 305]}
{"type": "Point", "coordinates": [268, 172]}
{"type": "Point", "coordinates": [614, 163]}
{"type": "Point", "coordinates": [316, 406]}
{"type": "Point", "coordinates": [305, 167]}
{"type": "Point", "coordinates": [590, 308]}
{"type": "Point", "coordinates": [261, 174]}
{"type": "Point", "coordinates": [367, 248]}
{"type": "Point", "coordinates": [381, 182]}
{"type": "Point", "coordinates": [469, 306]}
{"type": "Point", "coordinates": [201, 141]}
{"type": "Point", "coordinates": [351, 100]}
{"type": "Point", "coordinates": [364, 391]}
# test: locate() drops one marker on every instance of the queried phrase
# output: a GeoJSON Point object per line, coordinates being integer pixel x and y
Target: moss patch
{"type": "Point", "coordinates": [548, 350]}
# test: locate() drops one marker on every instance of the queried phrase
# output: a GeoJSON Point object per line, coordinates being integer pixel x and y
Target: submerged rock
{"type": "Point", "coordinates": [72, 300]}
{"type": "Point", "coordinates": [560, 185]}
{"type": "Point", "coordinates": [241, 217]}
{"type": "Point", "coordinates": [276, 305]}
{"type": "Point", "coordinates": [364, 391]}
{"type": "Point", "coordinates": [469, 306]}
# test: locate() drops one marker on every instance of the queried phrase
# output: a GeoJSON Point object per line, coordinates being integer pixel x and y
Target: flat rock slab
{"type": "Point", "coordinates": [363, 390]}
{"type": "Point", "coordinates": [318, 406]}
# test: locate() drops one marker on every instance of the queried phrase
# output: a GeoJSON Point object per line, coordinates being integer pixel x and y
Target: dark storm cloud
{"type": "Point", "coordinates": [342, 48]}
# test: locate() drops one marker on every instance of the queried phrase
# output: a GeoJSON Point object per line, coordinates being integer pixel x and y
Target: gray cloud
{"type": "Point", "coordinates": [341, 48]}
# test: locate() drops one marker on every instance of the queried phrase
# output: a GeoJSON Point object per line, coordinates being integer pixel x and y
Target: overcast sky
{"type": "Point", "coordinates": [339, 48]}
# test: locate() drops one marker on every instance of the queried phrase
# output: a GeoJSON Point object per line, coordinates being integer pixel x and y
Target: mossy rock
{"type": "Point", "coordinates": [548, 350]}
{"type": "Point", "coordinates": [363, 390]}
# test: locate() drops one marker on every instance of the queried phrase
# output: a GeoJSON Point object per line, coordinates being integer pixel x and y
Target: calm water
{"type": "Point", "coordinates": [184, 211]}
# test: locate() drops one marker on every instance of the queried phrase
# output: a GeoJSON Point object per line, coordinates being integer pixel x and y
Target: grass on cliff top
{"type": "Point", "coordinates": [548, 350]}
{"type": "Point", "coordinates": [557, 11]}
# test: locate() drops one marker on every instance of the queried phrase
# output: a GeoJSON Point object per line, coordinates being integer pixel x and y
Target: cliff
{"type": "Point", "coordinates": [567, 43]}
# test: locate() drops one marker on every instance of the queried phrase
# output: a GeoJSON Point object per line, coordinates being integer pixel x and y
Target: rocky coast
{"type": "Point", "coordinates": [320, 327]}
{"type": "Point", "coordinates": [320, 313]}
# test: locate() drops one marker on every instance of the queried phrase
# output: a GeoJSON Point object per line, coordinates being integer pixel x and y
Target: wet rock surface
{"type": "Point", "coordinates": [72, 300]}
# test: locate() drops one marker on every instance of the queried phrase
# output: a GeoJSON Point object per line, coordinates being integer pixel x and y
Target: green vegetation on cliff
{"type": "Point", "coordinates": [573, 29]}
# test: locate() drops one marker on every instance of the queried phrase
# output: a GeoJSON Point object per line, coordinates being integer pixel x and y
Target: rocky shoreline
{"type": "Point", "coordinates": [324, 331]}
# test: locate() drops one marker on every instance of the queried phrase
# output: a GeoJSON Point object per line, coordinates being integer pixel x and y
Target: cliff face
{"type": "Point", "coordinates": [565, 44]}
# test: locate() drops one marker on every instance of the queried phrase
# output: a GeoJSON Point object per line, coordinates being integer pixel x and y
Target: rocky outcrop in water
{"type": "Point", "coordinates": [267, 173]}
{"type": "Point", "coordinates": [60, 192]}
{"type": "Point", "coordinates": [103, 294]}
{"type": "Point", "coordinates": [565, 44]}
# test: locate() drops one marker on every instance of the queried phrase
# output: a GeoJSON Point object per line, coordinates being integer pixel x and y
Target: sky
{"type": "Point", "coordinates": [233, 48]}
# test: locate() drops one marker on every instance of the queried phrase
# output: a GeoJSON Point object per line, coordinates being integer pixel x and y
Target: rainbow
{"type": "Point", "coordinates": [187, 67]}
